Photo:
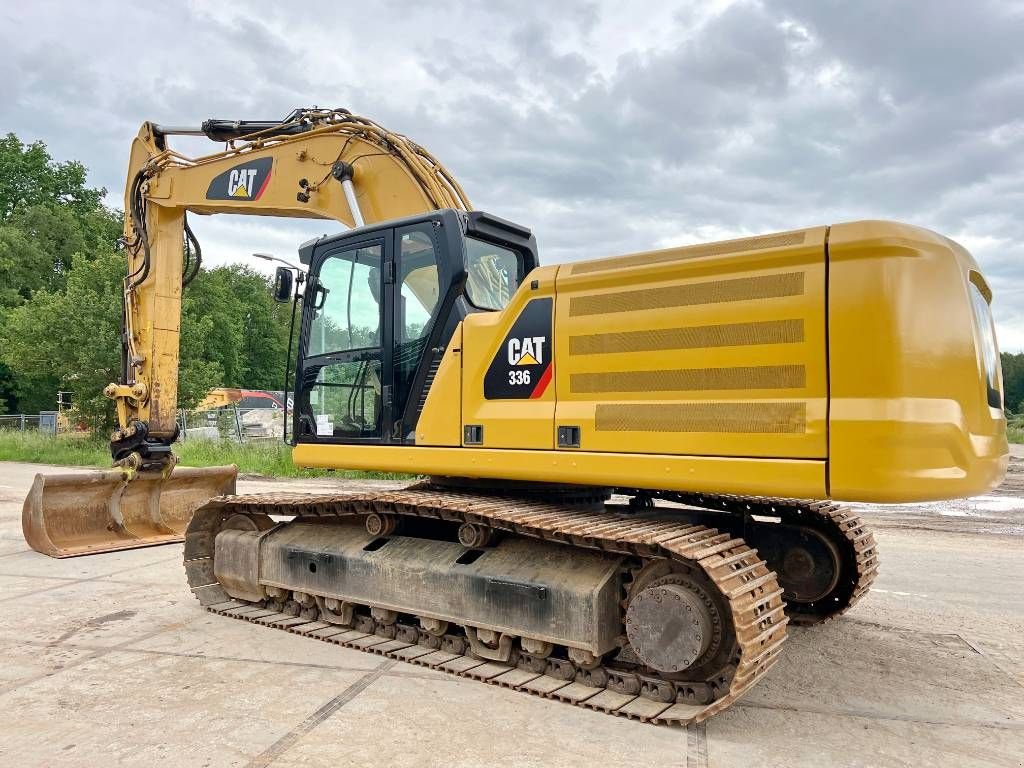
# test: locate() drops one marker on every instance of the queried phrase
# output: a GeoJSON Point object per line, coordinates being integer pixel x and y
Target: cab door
{"type": "Point", "coordinates": [344, 383]}
{"type": "Point", "coordinates": [372, 310]}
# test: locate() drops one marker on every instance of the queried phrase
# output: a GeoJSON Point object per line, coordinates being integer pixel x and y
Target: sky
{"type": "Point", "coordinates": [606, 127]}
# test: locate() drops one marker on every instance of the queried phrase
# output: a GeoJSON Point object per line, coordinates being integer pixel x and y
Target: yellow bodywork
{"type": "Point", "coordinates": [829, 362]}
{"type": "Point", "coordinates": [219, 397]}
{"type": "Point", "coordinates": [908, 418]}
{"type": "Point", "coordinates": [506, 423]}
{"type": "Point", "coordinates": [441, 423]}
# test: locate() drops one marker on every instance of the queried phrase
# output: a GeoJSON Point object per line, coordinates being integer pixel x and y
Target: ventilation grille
{"type": "Point", "coordinates": [692, 294]}
{"type": "Point", "coordinates": [695, 337]}
{"type": "Point", "coordinates": [427, 382]}
{"type": "Point", "coordinates": [691, 252]}
{"type": "Point", "coordinates": [752, 418]}
{"type": "Point", "coordinates": [690, 379]}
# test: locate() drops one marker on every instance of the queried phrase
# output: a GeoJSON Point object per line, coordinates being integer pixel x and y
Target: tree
{"type": "Point", "coordinates": [249, 333]}
{"type": "Point", "coordinates": [37, 244]}
{"type": "Point", "coordinates": [47, 215]}
{"type": "Point", "coordinates": [29, 176]}
{"type": "Point", "coordinates": [69, 339]}
{"type": "Point", "coordinates": [61, 232]}
{"type": "Point", "coordinates": [60, 298]}
{"type": "Point", "coordinates": [23, 266]}
{"type": "Point", "coordinates": [1013, 381]}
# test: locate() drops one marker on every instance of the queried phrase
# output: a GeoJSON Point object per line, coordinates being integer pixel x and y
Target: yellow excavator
{"type": "Point", "coordinates": [628, 461]}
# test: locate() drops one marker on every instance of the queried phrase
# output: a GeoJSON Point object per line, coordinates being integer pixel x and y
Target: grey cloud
{"type": "Point", "coordinates": [750, 118]}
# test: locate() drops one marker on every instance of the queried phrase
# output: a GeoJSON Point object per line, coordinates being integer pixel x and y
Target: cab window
{"type": "Point", "coordinates": [989, 350]}
{"type": "Point", "coordinates": [349, 315]}
{"type": "Point", "coordinates": [419, 284]}
{"type": "Point", "coordinates": [493, 274]}
{"type": "Point", "coordinates": [345, 398]}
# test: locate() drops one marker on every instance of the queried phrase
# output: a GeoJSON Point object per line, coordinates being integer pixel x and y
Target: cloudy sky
{"type": "Point", "coordinates": [607, 127]}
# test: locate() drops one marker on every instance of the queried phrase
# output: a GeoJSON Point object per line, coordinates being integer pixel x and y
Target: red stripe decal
{"type": "Point", "coordinates": [263, 186]}
{"type": "Point", "coordinates": [542, 383]}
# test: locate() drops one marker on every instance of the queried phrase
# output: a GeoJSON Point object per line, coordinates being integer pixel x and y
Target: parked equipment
{"type": "Point", "coordinates": [618, 451]}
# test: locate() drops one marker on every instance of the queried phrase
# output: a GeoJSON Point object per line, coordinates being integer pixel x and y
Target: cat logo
{"type": "Point", "coordinates": [246, 181]}
{"type": "Point", "coordinates": [528, 351]}
{"type": "Point", "coordinates": [522, 366]}
{"type": "Point", "coordinates": [240, 182]}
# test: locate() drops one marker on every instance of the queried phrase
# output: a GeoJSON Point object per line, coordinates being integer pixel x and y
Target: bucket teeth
{"type": "Point", "coordinates": [66, 515]}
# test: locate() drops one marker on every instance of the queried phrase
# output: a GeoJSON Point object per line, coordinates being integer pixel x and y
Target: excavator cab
{"type": "Point", "coordinates": [380, 306]}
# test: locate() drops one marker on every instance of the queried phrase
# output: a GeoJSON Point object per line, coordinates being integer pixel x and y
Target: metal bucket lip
{"type": "Point", "coordinates": [72, 514]}
{"type": "Point", "coordinates": [72, 478]}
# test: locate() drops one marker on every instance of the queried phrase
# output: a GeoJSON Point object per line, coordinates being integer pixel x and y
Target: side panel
{"type": "Point", "coordinates": [440, 423]}
{"type": "Point", "coordinates": [714, 350]}
{"type": "Point", "coordinates": [520, 586]}
{"type": "Point", "coordinates": [505, 357]}
{"type": "Point", "coordinates": [910, 418]}
{"type": "Point", "coordinates": [798, 478]}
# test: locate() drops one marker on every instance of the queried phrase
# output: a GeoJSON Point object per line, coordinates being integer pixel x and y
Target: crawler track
{"type": "Point", "coordinates": [748, 587]}
{"type": "Point", "coordinates": [853, 539]}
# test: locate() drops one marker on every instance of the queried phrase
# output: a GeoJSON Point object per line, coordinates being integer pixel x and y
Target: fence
{"type": "Point", "coordinates": [240, 425]}
{"type": "Point", "coordinates": [24, 422]}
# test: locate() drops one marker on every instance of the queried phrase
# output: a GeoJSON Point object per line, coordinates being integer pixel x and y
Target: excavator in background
{"type": "Point", "coordinates": [628, 461]}
{"type": "Point", "coordinates": [226, 397]}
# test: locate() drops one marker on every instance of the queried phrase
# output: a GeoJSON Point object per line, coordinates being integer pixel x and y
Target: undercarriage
{"type": "Point", "coordinates": [663, 611]}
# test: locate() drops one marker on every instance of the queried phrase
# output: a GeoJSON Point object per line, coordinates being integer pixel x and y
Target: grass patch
{"type": "Point", "coordinates": [47, 449]}
{"type": "Point", "coordinates": [270, 458]}
{"type": "Point", "coordinates": [1015, 432]}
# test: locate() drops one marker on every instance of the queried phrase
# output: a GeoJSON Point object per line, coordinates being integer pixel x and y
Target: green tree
{"type": "Point", "coordinates": [38, 243]}
{"type": "Point", "coordinates": [60, 298]}
{"type": "Point", "coordinates": [29, 176]}
{"type": "Point", "coordinates": [23, 266]}
{"type": "Point", "coordinates": [8, 397]}
{"type": "Point", "coordinates": [47, 215]}
{"type": "Point", "coordinates": [61, 232]}
{"type": "Point", "coordinates": [69, 339]}
{"type": "Point", "coordinates": [249, 334]}
{"type": "Point", "coordinates": [1013, 381]}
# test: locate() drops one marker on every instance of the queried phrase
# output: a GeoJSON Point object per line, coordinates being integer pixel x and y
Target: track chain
{"type": "Point", "coordinates": [841, 524]}
{"type": "Point", "coordinates": [749, 587]}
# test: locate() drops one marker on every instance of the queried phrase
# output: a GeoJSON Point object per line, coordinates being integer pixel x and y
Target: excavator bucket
{"type": "Point", "coordinates": [84, 514]}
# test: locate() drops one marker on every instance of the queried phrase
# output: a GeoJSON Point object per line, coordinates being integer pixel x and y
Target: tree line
{"type": "Point", "coordinates": [61, 278]}
{"type": "Point", "coordinates": [1013, 382]}
{"type": "Point", "coordinates": [60, 301]}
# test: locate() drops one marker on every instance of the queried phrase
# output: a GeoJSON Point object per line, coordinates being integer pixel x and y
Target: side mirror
{"type": "Point", "coordinates": [283, 281]}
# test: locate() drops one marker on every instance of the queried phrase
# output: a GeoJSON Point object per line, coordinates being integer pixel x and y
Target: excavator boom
{"type": "Point", "coordinates": [323, 164]}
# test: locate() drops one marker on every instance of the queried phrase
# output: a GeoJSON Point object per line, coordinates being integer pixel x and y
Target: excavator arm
{"type": "Point", "coordinates": [314, 164]}
{"type": "Point", "coordinates": [321, 164]}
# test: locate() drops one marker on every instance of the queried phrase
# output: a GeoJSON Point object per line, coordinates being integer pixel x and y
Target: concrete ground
{"type": "Point", "coordinates": [108, 660]}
